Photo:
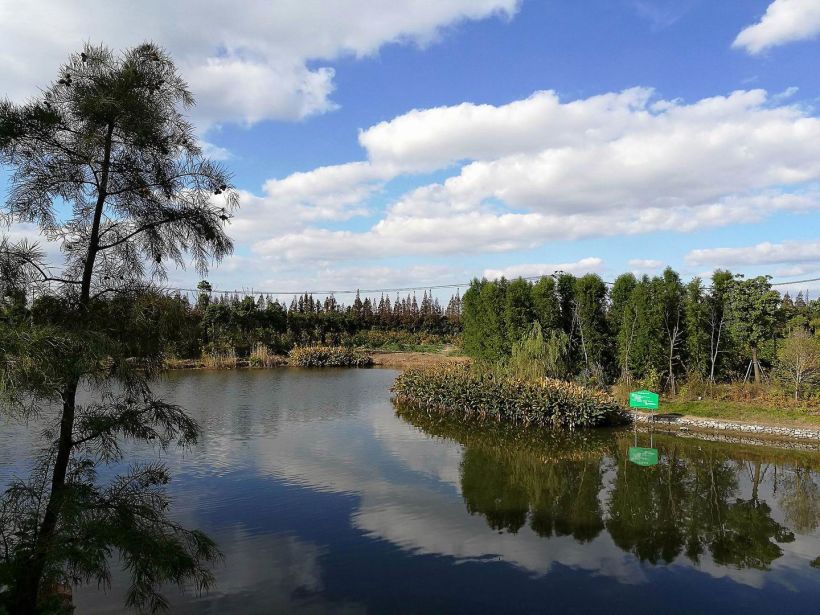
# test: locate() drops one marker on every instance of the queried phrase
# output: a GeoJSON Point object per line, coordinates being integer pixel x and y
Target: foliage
{"type": "Point", "coordinates": [752, 308]}
{"type": "Point", "coordinates": [535, 357]}
{"type": "Point", "coordinates": [328, 356]}
{"type": "Point", "coordinates": [103, 162]}
{"type": "Point", "coordinates": [652, 330]}
{"type": "Point", "coordinates": [484, 394]}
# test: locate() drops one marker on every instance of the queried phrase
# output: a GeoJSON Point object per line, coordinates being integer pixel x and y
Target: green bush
{"type": "Point", "coordinates": [328, 356]}
{"type": "Point", "coordinates": [483, 394]}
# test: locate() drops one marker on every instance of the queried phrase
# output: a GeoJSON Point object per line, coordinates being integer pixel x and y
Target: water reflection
{"type": "Point", "coordinates": [323, 499]}
{"type": "Point", "coordinates": [691, 503]}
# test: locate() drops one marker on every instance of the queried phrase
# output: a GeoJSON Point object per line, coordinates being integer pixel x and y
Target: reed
{"type": "Point", "coordinates": [261, 356]}
{"type": "Point", "coordinates": [474, 393]}
{"type": "Point", "coordinates": [328, 356]}
{"type": "Point", "coordinates": [220, 360]}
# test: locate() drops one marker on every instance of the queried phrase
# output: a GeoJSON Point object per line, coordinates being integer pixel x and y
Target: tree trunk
{"type": "Point", "coordinates": [27, 588]}
{"type": "Point", "coordinates": [28, 582]}
{"type": "Point", "coordinates": [756, 482]}
{"type": "Point", "coordinates": [756, 364]}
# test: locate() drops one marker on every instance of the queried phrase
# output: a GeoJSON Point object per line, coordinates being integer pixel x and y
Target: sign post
{"type": "Point", "coordinates": [645, 400]}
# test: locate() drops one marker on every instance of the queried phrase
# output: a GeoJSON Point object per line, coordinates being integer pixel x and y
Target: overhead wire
{"type": "Point", "coordinates": [370, 291]}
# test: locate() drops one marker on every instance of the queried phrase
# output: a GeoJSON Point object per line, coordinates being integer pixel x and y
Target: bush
{"type": "Point", "coordinates": [261, 356]}
{"type": "Point", "coordinates": [328, 356]}
{"type": "Point", "coordinates": [489, 395]}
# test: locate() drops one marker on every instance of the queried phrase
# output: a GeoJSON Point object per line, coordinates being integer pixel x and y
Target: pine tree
{"type": "Point", "coordinates": [109, 140]}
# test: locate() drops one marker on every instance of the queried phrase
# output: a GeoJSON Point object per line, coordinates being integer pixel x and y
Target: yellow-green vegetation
{"type": "Point", "coordinates": [220, 360]}
{"type": "Point", "coordinates": [766, 403]}
{"type": "Point", "coordinates": [328, 356]}
{"type": "Point", "coordinates": [472, 392]}
{"type": "Point", "coordinates": [261, 356]}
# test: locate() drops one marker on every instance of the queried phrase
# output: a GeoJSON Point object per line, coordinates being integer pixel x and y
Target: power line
{"type": "Point", "coordinates": [796, 282]}
{"type": "Point", "coordinates": [391, 290]}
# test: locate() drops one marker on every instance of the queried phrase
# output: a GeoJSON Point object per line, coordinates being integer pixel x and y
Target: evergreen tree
{"type": "Point", "coordinates": [672, 302]}
{"type": "Point", "coordinates": [590, 317]}
{"type": "Point", "coordinates": [752, 307]}
{"type": "Point", "coordinates": [546, 308]}
{"type": "Point", "coordinates": [518, 310]}
{"type": "Point", "coordinates": [108, 139]}
{"type": "Point", "coordinates": [696, 324]}
{"type": "Point", "coordinates": [619, 298]}
{"type": "Point", "coordinates": [719, 334]}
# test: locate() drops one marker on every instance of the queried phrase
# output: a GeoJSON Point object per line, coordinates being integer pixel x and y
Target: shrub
{"type": "Point", "coordinates": [328, 356]}
{"type": "Point", "coordinates": [489, 395]}
{"type": "Point", "coordinates": [261, 356]}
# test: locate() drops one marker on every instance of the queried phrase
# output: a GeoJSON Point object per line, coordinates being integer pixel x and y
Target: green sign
{"type": "Point", "coordinates": [643, 399]}
{"type": "Point", "coordinates": [643, 456]}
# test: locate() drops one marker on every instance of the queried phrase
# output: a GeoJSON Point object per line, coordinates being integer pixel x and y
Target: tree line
{"type": "Point", "coordinates": [655, 330]}
{"type": "Point", "coordinates": [220, 322]}
{"type": "Point", "coordinates": [229, 322]}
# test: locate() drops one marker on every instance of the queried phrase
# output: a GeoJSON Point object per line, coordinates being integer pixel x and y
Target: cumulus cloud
{"type": "Point", "coordinates": [434, 138]}
{"type": "Point", "coordinates": [590, 264]}
{"type": "Point", "coordinates": [539, 169]}
{"type": "Point", "coordinates": [785, 21]}
{"type": "Point", "coordinates": [246, 64]}
{"type": "Point", "coordinates": [766, 253]}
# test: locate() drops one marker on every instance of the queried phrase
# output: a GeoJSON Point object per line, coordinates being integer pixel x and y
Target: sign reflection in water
{"type": "Point", "coordinates": [323, 499]}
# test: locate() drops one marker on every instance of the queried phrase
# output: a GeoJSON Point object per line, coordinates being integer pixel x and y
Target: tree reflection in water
{"type": "Point", "coordinates": [580, 484]}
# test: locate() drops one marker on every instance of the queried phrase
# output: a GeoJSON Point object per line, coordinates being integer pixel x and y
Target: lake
{"type": "Point", "coordinates": [324, 499]}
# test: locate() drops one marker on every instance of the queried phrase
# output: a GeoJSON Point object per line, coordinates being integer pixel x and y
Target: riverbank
{"type": "Point", "coordinates": [727, 418]}
{"type": "Point", "coordinates": [399, 360]}
{"type": "Point", "coordinates": [674, 422]}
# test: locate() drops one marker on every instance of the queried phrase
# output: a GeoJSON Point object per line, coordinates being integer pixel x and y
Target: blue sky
{"type": "Point", "coordinates": [602, 135]}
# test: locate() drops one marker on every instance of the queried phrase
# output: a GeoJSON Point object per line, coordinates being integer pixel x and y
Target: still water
{"type": "Point", "coordinates": [324, 499]}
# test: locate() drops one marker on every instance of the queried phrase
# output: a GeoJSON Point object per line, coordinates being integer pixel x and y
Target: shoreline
{"type": "Point", "coordinates": [681, 424]}
{"type": "Point", "coordinates": [386, 359]}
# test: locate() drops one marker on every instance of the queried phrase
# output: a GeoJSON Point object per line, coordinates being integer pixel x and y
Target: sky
{"type": "Point", "coordinates": [379, 144]}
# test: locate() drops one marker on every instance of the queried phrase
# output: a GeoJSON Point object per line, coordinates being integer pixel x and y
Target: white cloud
{"type": "Point", "coordinates": [590, 264]}
{"type": "Point", "coordinates": [785, 21]}
{"type": "Point", "coordinates": [766, 253]}
{"type": "Point", "coordinates": [463, 232]}
{"type": "Point", "coordinates": [435, 138]}
{"type": "Point", "coordinates": [245, 63]}
{"type": "Point", "coordinates": [538, 170]}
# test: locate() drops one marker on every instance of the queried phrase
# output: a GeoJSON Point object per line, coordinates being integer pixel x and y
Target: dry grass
{"type": "Point", "coordinates": [261, 356]}
{"type": "Point", "coordinates": [220, 360]}
{"type": "Point", "coordinates": [412, 360]}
